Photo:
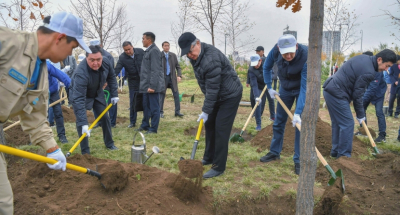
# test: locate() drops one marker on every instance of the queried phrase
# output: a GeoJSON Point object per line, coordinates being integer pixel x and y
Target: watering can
{"type": "Point", "coordinates": [138, 152]}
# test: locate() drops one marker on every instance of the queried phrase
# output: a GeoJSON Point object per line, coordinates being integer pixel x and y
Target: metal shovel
{"type": "Point", "coordinates": [196, 141]}
{"type": "Point", "coordinates": [192, 98]}
{"type": "Point", "coordinates": [334, 175]}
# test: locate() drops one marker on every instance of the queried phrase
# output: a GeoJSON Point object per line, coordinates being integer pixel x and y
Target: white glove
{"type": "Point", "coordinates": [296, 119]}
{"type": "Point", "coordinates": [258, 99]}
{"type": "Point", "coordinates": [126, 83]}
{"type": "Point", "coordinates": [66, 69]}
{"type": "Point", "coordinates": [114, 100]}
{"type": "Point", "coordinates": [85, 129]}
{"type": "Point", "coordinates": [361, 120]}
{"type": "Point", "coordinates": [272, 93]}
{"type": "Point", "coordinates": [62, 161]}
{"type": "Point", "coordinates": [203, 116]}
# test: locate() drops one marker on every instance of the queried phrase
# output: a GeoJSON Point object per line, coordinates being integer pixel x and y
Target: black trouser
{"type": "Point", "coordinates": [176, 96]}
{"type": "Point", "coordinates": [105, 123]}
{"type": "Point", "coordinates": [57, 114]}
{"type": "Point", "coordinates": [218, 129]}
{"type": "Point", "coordinates": [132, 112]}
{"type": "Point", "coordinates": [393, 96]}
{"type": "Point", "coordinates": [274, 81]}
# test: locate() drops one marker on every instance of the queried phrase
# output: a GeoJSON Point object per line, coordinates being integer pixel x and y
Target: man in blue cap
{"type": "Point", "coordinates": [291, 59]}
{"type": "Point", "coordinates": [222, 90]}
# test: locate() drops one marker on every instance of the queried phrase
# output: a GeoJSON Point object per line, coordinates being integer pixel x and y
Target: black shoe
{"type": "Point", "coordinates": [205, 163]}
{"type": "Point", "coordinates": [63, 139]}
{"type": "Point", "coordinates": [52, 125]}
{"type": "Point", "coordinates": [212, 173]}
{"type": "Point", "coordinates": [151, 132]}
{"type": "Point", "coordinates": [131, 125]}
{"type": "Point", "coordinates": [396, 116]}
{"type": "Point", "coordinates": [269, 157]}
{"type": "Point", "coordinates": [140, 129]}
{"type": "Point", "coordinates": [334, 155]}
{"type": "Point", "coordinates": [297, 168]}
{"type": "Point", "coordinates": [112, 148]}
{"type": "Point", "coordinates": [113, 126]}
{"type": "Point", "coordinates": [380, 139]}
{"type": "Point", "coordinates": [179, 114]}
{"type": "Point", "coordinates": [161, 115]}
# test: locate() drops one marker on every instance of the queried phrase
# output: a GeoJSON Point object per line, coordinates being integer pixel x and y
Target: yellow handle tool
{"type": "Point", "coordinates": [196, 142]}
{"type": "Point", "coordinates": [90, 128]}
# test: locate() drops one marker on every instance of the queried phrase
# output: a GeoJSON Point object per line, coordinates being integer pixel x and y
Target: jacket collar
{"type": "Point", "coordinates": [203, 46]}
{"type": "Point", "coordinates": [32, 47]}
{"type": "Point", "coordinates": [375, 63]}
{"type": "Point", "coordinates": [150, 47]}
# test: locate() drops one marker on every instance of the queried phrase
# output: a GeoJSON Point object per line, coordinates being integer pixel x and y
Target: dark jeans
{"type": "Point", "coordinates": [105, 123]}
{"type": "Point", "coordinates": [218, 129]}
{"type": "Point", "coordinates": [393, 97]}
{"type": "Point", "coordinates": [176, 96]}
{"type": "Point", "coordinates": [260, 109]}
{"type": "Point", "coordinates": [57, 113]}
{"type": "Point", "coordinates": [151, 110]}
{"type": "Point", "coordinates": [132, 112]}
{"type": "Point", "coordinates": [281, 117]}
{"type": "Point", "coordinates": [379, 114]}
{"type": "Point", "coordinates": [113, 112]}
{"type": "Point", "coordinates": [274, 82]}
{"type": "Point", "coordinates": [342, 125]}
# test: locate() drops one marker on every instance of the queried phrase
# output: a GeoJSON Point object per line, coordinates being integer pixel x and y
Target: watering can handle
{"type": "Point", "coordinates": [143, 139]}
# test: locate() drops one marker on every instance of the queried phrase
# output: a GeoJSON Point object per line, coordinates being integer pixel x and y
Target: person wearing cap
{"type": "Point", "coordinates": [151, 84]}
{"type": "Point", "coordinates": [222, 89]}
{"type": "Point", "coordinates": [291, 59]}
{"type": "Point", "coordinates": [87, 93]}
{"type": "Point", "coordinates": [24, 86]}
{"type": "Point", "coordinates": [105, 53]}
{"type": "Point", "coordinates": [347, 85]}
{"type": "Point", "coordinates": [131, 60]}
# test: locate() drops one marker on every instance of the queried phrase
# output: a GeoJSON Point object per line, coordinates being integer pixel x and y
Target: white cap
{"type": "Point", "coordinates": [254, 60]}
{"type": "Point", "coordinates": [70, 25]}
{"type": "Point", "coordinates": [287, 44]}
{"type": "Point", "coordinates": [94, 42]}
{"type": "Point", "coordinates": [81, 57]}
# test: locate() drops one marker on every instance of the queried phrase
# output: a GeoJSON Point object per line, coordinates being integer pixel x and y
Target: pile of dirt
{"type": "Point", "coordinates": [148, 190]}
{"type": "Point", "coordinates": [372, 186]}
{"type": "Point", "coordinates": [372, 132]}
{"type": "Point", "coordinates": [192, 131]}
{"type": "Point", "coordinates": [323, 139]}
{"type": "Point", "coordinates": [15, 136]}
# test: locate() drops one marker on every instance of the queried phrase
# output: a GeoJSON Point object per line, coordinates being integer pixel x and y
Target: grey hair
{"type": "Point", "coordinates": [194, 42]}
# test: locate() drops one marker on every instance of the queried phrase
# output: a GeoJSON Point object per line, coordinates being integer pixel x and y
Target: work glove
{"type": "Point", "coordinates": [66, 69]}
{"type": "Point", "coordinates": [85, 129]}
{"type": "Point", "coordinates": [258, 99]}
{"type": "Point", "coordinates": [361, 120]}
{"type": "Point", "coordinates": [114, 100]}
{"type": "Point", "coordinates": [62, 161]}
{"type": "Point", "coordinates": [203, 116]}
{"type": "Point", "coordinates": [272, 93]}
{"type": "Point", "coordinates": [296, 119]}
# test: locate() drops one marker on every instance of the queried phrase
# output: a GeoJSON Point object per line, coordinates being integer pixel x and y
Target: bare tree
{"type": "Point", "coordinates": [206, 14]}
{"type": "Point", "coordinates": [24, 15]}
{"type": "Point", "coordinates": [395, 19]}
{"type": "Point", "coordinates": [185, 23]}
{"type": "Point", "coordinates": [236, 24]}
{"type": "Point", "coordinates": [123, 32]}
{"type": "Point", "coordinates": [337, 15]}
{"type": "Point", "coordinates": [100, 19]}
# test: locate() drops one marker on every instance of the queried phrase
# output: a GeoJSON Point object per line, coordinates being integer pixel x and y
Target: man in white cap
{"type": "Point", "coordinates": [291, 59]}
{"type": "Point", "coordinates": [24, 87]}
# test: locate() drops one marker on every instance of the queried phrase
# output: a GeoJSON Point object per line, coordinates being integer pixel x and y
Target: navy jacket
{"type": "Point", "coordinates": [132, 67]}
{"type": "Point", "coordinates": [56, 75]}
{"type": "Point", "coordinates": [350, 81]}
{"type": "Point", "coordinates": [376, 89]}
{"type": "Point", "coordinates": [394, 73]}
{"type": "Point", "coordinates": [292, 75]}
{"type": "Point", "coordinates": [256, 79]}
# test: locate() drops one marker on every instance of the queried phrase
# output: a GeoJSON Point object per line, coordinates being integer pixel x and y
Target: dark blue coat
{"type": "Point", "coordinates": [376, 89]}
{"type": "Point", "coordinates": [394, 73]}
{"type": "Point", "coordinates": [56, 75]}
{"type": "Point", "coordinates": [350, 81]}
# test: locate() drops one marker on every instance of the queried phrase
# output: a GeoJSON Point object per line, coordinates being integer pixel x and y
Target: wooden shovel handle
{"type": "Point", "coordinates": [369, 134]}
{"type": "Point", "coordinates": [196, 90]}
{"type": "Point", "coordinates": [321, 158]}
{"type": "Point", "coordinates": [254, 109]}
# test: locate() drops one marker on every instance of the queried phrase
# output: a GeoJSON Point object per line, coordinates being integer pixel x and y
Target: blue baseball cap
{"type": "Point", "coordinates": [287, 44]}
{"type": "Point", "coordinates": [254, 60]}
{"type": "Point", "coordinates": [70, 25]}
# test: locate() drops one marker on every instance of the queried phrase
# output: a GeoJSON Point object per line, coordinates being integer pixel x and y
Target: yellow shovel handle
{"type": "Point", "coordinates": [36, 157]}
{"type": "Point", "coordinates": [90, 128]}
{"type": "Point", "coordinates": [199, 130]}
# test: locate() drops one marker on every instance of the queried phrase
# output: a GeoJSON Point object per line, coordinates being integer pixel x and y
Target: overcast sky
{"type": "Point", "coordinates": [156, 16]}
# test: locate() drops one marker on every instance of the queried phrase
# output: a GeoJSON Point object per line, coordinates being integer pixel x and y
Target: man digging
{"type": "Point", "coordinates": [24, 86]}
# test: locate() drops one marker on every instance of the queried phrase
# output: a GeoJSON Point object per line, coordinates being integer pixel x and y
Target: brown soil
{"type": "Point", "coordinates": [15, 136]}
{"type": "Point", "coordinates": [113, 176]}
{"type": "Point", "coordinates": [193, 132]}
{"type": "Point", "coordinates": [323, 139]}
{"type": "Point", "coordinates": [372, 132]}
{"type": "Point", "coordinates": [149, 190]}
{"type": "Point", "coordinates": [331, 199]}
{"type": "Point", "coordinates": [69, 116]}
{"type": "Point", "coordinates": [191, 168]}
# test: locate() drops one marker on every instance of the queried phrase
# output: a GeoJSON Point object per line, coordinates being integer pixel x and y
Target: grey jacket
{"type": "Point", "coordinates": [109, 57]}
{"type": "Point", "coordinates": [151, 73]}
{"type": "Point", "coordinates": [217, 79]}
{"type": "Point", "coordinates": [70, 61]}
{"type": "Point", "coordinates": [82, 89]}
{"type": "Point", "coordinates": [173, 65]}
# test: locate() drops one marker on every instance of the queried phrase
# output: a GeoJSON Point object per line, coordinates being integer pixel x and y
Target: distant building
{"type": "Point", "coordinates": [287, 31]}
{"type": "Point", "coordinates": [326, 42]}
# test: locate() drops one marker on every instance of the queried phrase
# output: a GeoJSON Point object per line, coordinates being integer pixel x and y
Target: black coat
{"type": "Point", "coordinates": [351, 81]}
{"type": "Point", "coordinates": [82, 89]}
{"type": "Point", "coordinates": [132, 67]}
{"type": "Point", "coordinates": [151, 73]}
{"type": "Point", "coordinates": [217, 79]}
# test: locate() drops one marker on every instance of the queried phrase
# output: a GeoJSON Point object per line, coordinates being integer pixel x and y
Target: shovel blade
{"type": "Point", "coordinates": [192, 99]}
{"type": "Point", "coordinates": [236, 138]}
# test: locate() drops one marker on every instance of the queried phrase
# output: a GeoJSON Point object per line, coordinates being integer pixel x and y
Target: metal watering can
{"type": "Point", "coordinates": [138, 152]}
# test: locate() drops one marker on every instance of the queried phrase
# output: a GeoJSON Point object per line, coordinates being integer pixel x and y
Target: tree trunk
{"type": "Point", "coordinates": [308, 157]}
